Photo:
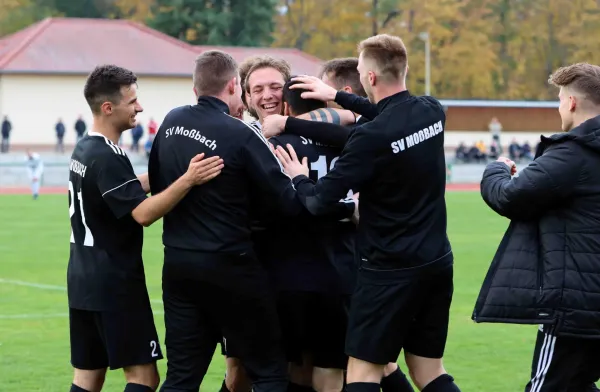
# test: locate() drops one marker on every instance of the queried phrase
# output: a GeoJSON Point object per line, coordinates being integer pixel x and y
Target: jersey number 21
{"type": "Point", "coordinates": [75, 197]}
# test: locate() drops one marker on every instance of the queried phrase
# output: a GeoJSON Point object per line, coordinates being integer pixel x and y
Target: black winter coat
{"type": "Point", "coordinates": [547, 267]}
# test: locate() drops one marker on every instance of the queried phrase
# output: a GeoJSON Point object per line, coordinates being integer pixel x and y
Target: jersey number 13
{"type": "Point", "coordinates": [320, 166]}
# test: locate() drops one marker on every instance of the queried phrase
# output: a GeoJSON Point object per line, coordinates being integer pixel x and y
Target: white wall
{"type": "Point", "coordinates": [34, 104]}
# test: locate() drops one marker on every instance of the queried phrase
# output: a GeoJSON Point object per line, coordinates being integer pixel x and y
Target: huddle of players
{"type": "Point", "coordinates": [315, 280]}
{"type": "Point", "coordinates": [216, 288]}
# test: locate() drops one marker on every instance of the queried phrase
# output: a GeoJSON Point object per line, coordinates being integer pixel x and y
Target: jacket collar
{"type": "Point", "coordinates": [395, 98]}
{"type": "Point", "coordinates": [585, 128]}
{"type": "Point", "coordinates": [585, 131]}
{"type": "Point", "coordinates": [214, 103]}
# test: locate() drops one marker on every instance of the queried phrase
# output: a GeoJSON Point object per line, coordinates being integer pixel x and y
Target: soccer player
{"type": "Point", "coordinates": [35, 168]}
{"type": "Point", "coordinates": [546, 269]}
{"type": "Point", "coordinates": [313, 282]}
{"type": "Point", "coordinates": [213, 286]}
{"type": "Point", "coordinates": [262, 80]}
{"type": "Point", "coordinates": [396, 161]}
{"type": "Point", "coordinates": [341, 74]}
{"type": "Point", "coordinates": [111, 322]}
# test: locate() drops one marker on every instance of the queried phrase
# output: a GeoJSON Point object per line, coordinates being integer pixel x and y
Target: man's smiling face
{"type": "Point", "coordinates": [266, 88]}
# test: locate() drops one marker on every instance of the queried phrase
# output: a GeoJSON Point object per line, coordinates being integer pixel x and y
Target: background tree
{"type": "Point", "coordinates": [216, 22]}
{"type": "Point", "coordinates": [492, 49]}
{"type": "Point", "coordinates": [324, 29]}
{"type": "Point", "coordinates": [137, 10]}
{"type": "Point", "coordinates": [19, 14]}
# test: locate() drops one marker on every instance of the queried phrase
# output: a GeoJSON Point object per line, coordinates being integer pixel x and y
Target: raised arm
{"type": "Point", "coordinates": [538, 187]}
{"type": "Point", "coordinates": [357, 104]}
{"type": "Point", "coordinates": [317, 89]}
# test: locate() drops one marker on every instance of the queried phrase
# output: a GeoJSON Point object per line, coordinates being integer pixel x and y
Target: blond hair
{"type": "Point", "coordinates": [388, 53]}
{"type": "Point", "coordinates": [261, 62]}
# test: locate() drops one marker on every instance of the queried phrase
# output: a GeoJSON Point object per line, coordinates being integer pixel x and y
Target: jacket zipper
{"type": "Point", "coordinates": [540, 277]}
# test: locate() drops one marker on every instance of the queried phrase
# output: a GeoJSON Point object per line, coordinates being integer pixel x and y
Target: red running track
{"type": "Point", "coordinates": [57, 190]}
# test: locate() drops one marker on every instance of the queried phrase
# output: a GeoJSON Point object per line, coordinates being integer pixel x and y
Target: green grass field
{"type": "Point", "coordinates": [34, 337]}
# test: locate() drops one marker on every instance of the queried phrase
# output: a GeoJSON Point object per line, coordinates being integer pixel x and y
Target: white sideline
{"type": "Point", "coordinates": [49, 287]}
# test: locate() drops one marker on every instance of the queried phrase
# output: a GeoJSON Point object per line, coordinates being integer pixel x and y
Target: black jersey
{"type": "Point", "coordinates": [216, 217]}
{"type": "Point", "coordinates": [397, 163]}
{"type": "Point", "coordinates": [105, 270]}
{"type": "Point", "coordinates": [324, 260]}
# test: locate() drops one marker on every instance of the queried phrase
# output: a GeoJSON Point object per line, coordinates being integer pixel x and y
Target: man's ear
{"type": "Point", "coordinates": [231, 86]}
{"type": "Point", "coordinates": [348, 89]}
{"type": "Point", "coordinates": [572, 103]}
{"type": "Point", "coordinates": [372, 78]}
{"type": "Point", "coordinates": [196, 92]}
{"type": "Point", "coordinates": [106, 108]}
{"type": "Point", "coordinates": [286, 109]}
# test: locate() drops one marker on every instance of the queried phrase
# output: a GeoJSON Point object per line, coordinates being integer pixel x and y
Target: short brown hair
{"type": "Point", "coordinates": [104, 84]}
{"type": "Point", "coordinates": [261, 62]}
{"type": "Point", "coordinates": [245, 66]}
{"type": "Point", "coordinates": [214, 69]}
{"type": "Point", "coordinates": [389, 54]}
{"type": "Point", "coordinates": [343, 72]}
{"type": "Point", "coordinates": [581, 77]}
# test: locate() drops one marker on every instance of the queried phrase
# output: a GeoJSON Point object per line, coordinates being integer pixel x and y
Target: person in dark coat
{"type": "Point", "coordinates": [80, 128]}
{"type": "Point", "coordinates": [60, 135]}
{"type": "Point", "coordinates": [546, 270]}
{"type": "Point", "coordinates": [6, 128]}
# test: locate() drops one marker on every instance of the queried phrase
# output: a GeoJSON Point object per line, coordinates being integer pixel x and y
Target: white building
{"type": "Point", "coordinates": [43, 70]}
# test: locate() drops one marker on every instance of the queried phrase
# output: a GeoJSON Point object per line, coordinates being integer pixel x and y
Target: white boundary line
{"type": "Point", "coordinates": [48, 287]}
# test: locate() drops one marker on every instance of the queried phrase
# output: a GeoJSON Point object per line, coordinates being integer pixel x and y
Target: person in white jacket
{"type": "Point", "coordinates": [35, 167]}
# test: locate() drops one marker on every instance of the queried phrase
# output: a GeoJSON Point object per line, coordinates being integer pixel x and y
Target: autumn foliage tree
{"type": "Point", "coordinates": [501, 49]}
{"type": "Point", "coordinates": [492, 49]}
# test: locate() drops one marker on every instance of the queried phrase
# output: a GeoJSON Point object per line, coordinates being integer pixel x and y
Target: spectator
{"type": "Point", "coordinates": [461, 152]}
{"type": "Point", "coordinates": [136, 135]}
{"type": "Point", "coordinates": [152, 128]}
{"type": "Point", "coordinates": [526, 151]}
{"type": "Point", "coordinates": [80, 128]}
{"type": "Point", "coordinates": [148, 146]}
{"type": "Point", "coordinates": [514, 150]}
{"type": "Point", "coordinates": [60, 134]}
{"type": "Point", "coordinates": [477, 152]}
{"type": "Point", "coordinates": [6, 128]}
{"type": "Point", "coordinates": [494, 150]}
{"type": "Point", "coordinates": [495, 129]}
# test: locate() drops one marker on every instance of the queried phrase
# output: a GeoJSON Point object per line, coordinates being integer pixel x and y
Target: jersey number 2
{"type": "Point", "coordinates": [154, 346]}
{"type": "Point", "coordinates": [88, 240]}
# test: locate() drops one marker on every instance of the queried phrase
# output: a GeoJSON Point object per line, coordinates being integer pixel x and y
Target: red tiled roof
{"type": "Point", "coordinates": [301, 62]}
{"type": "Point", "coordinates": [77, 45]}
